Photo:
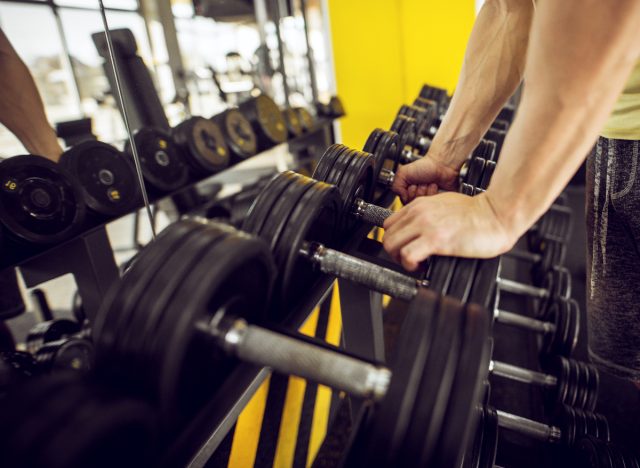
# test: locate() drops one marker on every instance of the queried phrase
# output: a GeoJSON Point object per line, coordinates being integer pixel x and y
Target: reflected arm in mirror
{"type": "Point", "coordinates": [21, 107]}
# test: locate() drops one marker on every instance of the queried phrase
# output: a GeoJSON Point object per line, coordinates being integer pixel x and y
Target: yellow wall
{"type": "Point", "coordinates": [384, 50]}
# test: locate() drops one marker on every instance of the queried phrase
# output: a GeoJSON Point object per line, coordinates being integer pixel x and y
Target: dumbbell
{"type": "Point", "coordinates": [566, 382]}
{"type": "Point", "coordinates": [332, 109]}
{"type": "Point", "coordinates": [297, 217]}
{"type": "Point", "coordinates": [201, 288]}
{"type": "Point", "coordinates": [569, 426]}
{"type": "Point", "coordinates": [292, 119]}
{"type": "Point", "coordinates": [591, 452]}
{"type": "Point", "coordinates": [162, 161]}
{"type": "Point", "coordinates": [238, 133]}
{"type": "Point", "coordinates": [40, 202]}
{"type": "Point", "coordinates": [439, 95]}
{"type": "Point", "coordinates": [267, 121]}
{"type": "Point", "coordinates": [203, 145]}
{"type": "Point", "coordinates": [106, 175]}
{"type": "Point", "coordinates": [52, 330]}
{"type": "Point", "coordinates": [305, 117]}
{"type": "Point", "coordinates": [62, 421]}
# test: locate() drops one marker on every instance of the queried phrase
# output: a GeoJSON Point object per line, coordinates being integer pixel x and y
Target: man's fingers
{"type": "Point", "coordinates": [414, 252]}
{"type": "Point", "coordinates": [395, 240]}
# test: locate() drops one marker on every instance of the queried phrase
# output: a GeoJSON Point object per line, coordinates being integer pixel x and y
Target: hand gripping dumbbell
{"type": "Point", "coordinates": [353, 171]}
{"type": "Point", "coordinates": [297, 217]}
{"type": "Point", "coordinates": [62, 421]}
{"type": "Point", "coordinates": [568, 426]}
{"type": "Point", "coordinates": [40, 202]}
{"type": "Point", "coordinates": [197, 296]}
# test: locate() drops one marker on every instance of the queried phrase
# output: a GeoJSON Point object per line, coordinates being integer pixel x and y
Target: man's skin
{"type": "Point", "coordinates": [580, 54]}
{"type": "Point", "coordinates": [21, 108]}
{"type": "Point", "coordinates": [575, 57]}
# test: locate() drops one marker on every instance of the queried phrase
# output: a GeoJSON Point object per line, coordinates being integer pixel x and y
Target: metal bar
{"type": "Point", "coordinates": [533, 429]}
{"type": "Point", "coordinates": [372, 214]}
{"type": "Point", "coordinates": [383, 280]}
{"type": "Point", "coordinates": [521, 375]}
{"type": "Point", "coordinates": [524, 255]}
{"type": "Point", "coordinates": [290, 356]}
{"type": "Point", "coordinates": [509, 318]}
{"type": "Point", "coordinates": [519, 288]}
{"type": "Point", "coordinates": [310, 55]}
{"type": "Point", "coordinates": [283, 72]}
{"type": "Point", "coordinates": [120, 101]}
{"type": "Point", "coordinates": [386, 177]}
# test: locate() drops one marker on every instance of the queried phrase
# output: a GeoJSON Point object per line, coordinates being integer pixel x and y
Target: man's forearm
{"type": "Point", "coordinates": [492, 70]}
{"type": "Point", "coordinates": [21, 108]}
{"type": "Point", "coordinates": [581, 54]}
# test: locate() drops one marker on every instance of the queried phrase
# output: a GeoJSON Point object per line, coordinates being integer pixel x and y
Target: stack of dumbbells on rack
{"type": "Point", "coordinates": [205, 298]}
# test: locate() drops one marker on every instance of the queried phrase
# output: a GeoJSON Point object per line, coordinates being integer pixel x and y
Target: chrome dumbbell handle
{"type": "Point", "coordinates": [522, 375]}
{"type": "Point", "coordinates": [520, 288]}
{"type": "Point", "coordinates": [371, 214]}
{"type": "Point", "coordinates": [378, 278]}
{"type": "Point", "coordinates": [509, 318]}
{"type": "Point", "coordinates": [287, 355]}
{"type": "Point", "coordinates": [386, 177]}
{"type": "Point", "coordinates": [534, 429]}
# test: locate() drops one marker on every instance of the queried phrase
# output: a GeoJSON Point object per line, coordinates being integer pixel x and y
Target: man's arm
{"type": "Point", "coordinates": [21, 108]}
{"type": "Point", "coordinates": [580, 55]}
{"type": "Point", "coordinates": [492, 70]}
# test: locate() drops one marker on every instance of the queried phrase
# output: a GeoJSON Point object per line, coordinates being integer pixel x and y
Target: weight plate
{"type": "Point", "coordinates": [108, 178]}
{"type": "Point", "coordinates": [116, 313]}
{"type": "Point", "coordinates": [314, 219]}
{"type": "Point", "coordinates": [357, 183]}
{"type": "Point", "coordinates": [339, 167]}
{"type": "Point", "coordinates": [327, 161]}
{"type": "Point", "coordinates": [204, 146]}
{"type": "Point", "coordinates": [267, 121]}
{"type": "Point", "coordinates": [486, 150]}
{"type": "Point", "coordinates": [294, 126]}
{"type": "Point", "coordinates": [261, 206]}
{"type": "Point", "coordinates": [468, 387]}
{"type": "Point", "coordinates": [389, 424]}
{"type": "Point", "coordinates": [497, 136]}
{"type": "Point", "coordinates": [161, 160]}
{"type": "Point", "coordinates": [556, 396]}
{"type": "Point", "coordinates": [336, 107]}
{"type": "Point", "coordinates": [178, 263]}
{"type": "Point", "coordinates": [565, 420]}
{"type": "Point", "coordinates": [239, 134]}
{"type": "Point", "coordinates": [489, 168]}
{"type": "Point", "coordinates": [594, 385]}
{"type": "Point", "coordinates": [279, 216]}
{"type": "Point", "coordinates": [490, 438]}
{"type": "Point", "coordinates": [69, 354]}
{"type": "Point", "coordinates": [474, 171]}
{"type": "Point", "coordinates": [442, 273]}
{"type": "Point", "coordinates": [40, 202]}
{"type": "Point", "coordinates": [463, 278]}
{"type": "Point", "coordinates": [306, 119]}
{"type": "Point", "coordinates": [53, 330]}
{"type": "Point", "coordinates": [603, 427]}
{"type": "Point", "coordinates": [574, 327]}
{"type": "Point", "coordinates": [484, 288]}
{"type": "Point", "coordinates": [572, 387]}
{"type": "Point", "coordinates": [428, 417]}
{"type": "Point", "coordinates": [387, 154]}
{"type": "Point", "coordinates": [583, 385]}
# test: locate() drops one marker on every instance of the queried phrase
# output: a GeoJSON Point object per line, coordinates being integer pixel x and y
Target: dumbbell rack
{"type": "Point", "coordinates": [89, 255]}
{"type": "Point", "coordinates": [362, 332]}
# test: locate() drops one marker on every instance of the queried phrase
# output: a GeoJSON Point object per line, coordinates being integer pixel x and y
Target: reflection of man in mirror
{"type": "Point", "coordinates": [22, 112]}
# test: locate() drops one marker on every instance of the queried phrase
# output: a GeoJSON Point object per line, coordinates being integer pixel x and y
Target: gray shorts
{"type": "Point", "coordinates": [613, 257]}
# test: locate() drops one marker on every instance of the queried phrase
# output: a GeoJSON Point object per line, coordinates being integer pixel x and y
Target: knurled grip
{"type": "Point", "coordinates": [381, 279]}
{"type": "Point", "coordinates": [372, 214]}
{"type": "Point", "coordinates": [290, 356]}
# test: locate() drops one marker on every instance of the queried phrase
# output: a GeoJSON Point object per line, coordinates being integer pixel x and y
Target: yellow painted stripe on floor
{"type": "Point", "coordinates": [323, 397]}
{"type": "Point", "coordinates": [292, 412]}
{"type": "Point", "coordinates": [247, 434]}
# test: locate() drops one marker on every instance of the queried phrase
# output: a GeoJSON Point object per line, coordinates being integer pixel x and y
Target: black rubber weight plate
{"type": "Point", "coordinates": [267, 197]}
{"type": "Point", "coordinates": [427, 420]}
{"type": "Point", "coordinates": [390, 422]}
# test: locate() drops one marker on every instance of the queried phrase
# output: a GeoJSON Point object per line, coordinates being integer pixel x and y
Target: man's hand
{"type": "Point", "coordinates": [445, 224]}
{"type": "Point", "coordinates": [424, 177]}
